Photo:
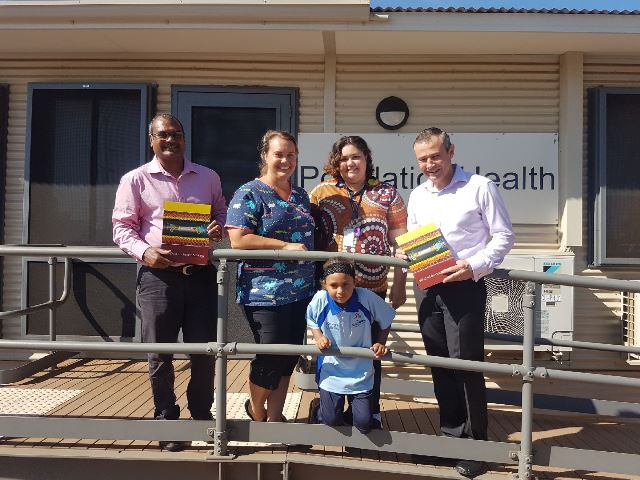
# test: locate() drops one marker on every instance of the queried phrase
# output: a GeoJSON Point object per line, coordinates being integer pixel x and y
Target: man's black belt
{"type": "Point", "coordinates": [186, 269]}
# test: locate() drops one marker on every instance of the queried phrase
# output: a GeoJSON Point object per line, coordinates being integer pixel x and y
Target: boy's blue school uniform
{"type": "Point", "coordinates": [348, 326]}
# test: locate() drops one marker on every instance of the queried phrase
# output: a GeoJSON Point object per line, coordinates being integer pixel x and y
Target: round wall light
{"type": "Point", "coordinates": [392, 113]}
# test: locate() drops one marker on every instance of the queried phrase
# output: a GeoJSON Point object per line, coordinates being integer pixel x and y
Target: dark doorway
{"type": "Point", "coordinates": [223, 126]}
{"type": "Point", "coordinates": [81, 138]}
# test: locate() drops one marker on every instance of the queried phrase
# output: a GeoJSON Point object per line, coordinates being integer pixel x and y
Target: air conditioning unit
{"type": "Point", "coordinates": [630, 308]}
{"type": "Point", "coordinates": [553, 311]}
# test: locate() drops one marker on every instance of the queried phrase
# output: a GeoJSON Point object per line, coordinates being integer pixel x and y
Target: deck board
{"type": "Point", "coordinates": [120, 389]}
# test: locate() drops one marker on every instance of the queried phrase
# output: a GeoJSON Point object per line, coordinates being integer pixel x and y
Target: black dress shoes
{"type": "Point", "coordinates": [173, 445]}
{"type": "Point", "coordinates": [470, 468]}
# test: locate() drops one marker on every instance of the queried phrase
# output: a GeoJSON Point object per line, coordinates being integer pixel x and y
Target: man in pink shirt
{"type": "Point", "coordinates": [171, 296]}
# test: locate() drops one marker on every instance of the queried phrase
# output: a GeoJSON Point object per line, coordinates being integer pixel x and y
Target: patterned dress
{"type": "Point", "coordinates": [257, 207]}
{"type": "Point", "coordinates": [379, 210]}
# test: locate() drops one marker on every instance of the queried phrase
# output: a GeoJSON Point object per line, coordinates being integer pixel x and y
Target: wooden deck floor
{"type": "Point", "coordinates": [120, 389]}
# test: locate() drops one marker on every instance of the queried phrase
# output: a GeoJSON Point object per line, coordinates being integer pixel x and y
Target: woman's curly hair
{"type": "Point", "coordinates": [333, 163]}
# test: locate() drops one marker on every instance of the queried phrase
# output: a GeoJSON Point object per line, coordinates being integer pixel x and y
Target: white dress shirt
{"type": "Point", "coordinates": [471, 215]}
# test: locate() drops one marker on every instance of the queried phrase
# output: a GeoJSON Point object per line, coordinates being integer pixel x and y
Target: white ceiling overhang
{"type": "Point", "coordinates": [296, 27]}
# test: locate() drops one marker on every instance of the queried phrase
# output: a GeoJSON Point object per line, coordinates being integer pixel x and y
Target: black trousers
{"type": "Point", "coordinates": [169, 301]}
{"type": "Point", "coordinates": [275, 324]}
{"type": "Point", "coordinates": [451, 318]}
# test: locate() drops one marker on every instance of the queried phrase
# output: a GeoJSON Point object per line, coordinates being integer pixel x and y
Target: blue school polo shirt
{"type": "Point", "coordinates": [348, 327]}
{"type": "Point", "coordinates": [257, 207]}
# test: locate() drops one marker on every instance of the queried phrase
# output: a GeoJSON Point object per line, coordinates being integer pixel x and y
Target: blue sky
{"type": "Point", "coordinates": [577, 4]}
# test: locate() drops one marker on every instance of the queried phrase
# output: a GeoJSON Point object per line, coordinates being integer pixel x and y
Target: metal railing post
{"type": "Point", "coordinates": [221, 436]}
{"type": "Point", "coordinates": [52, 298]}
{"type": "Point", "coordinates": [525, 457]}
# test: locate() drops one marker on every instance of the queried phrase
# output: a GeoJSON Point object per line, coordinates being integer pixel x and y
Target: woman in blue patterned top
{"type": "Point", "coordinates": [268, 213]}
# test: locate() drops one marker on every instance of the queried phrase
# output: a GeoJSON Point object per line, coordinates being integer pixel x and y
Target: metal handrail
{"type": "Point", "coordinates": [48, 304]}
{"type": "Point", "coordinates": [605, 347]}
{"type": "Point", "coordinates": [223, 349]}
{"type": "Point", "coordinates": [231, 254]}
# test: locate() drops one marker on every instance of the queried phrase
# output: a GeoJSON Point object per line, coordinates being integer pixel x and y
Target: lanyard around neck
{"type": "Point", "coordinates": [355, 207]}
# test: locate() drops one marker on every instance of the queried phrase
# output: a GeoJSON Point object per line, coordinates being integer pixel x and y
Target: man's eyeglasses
{"type": "Point", "coordinates": [166, 135]}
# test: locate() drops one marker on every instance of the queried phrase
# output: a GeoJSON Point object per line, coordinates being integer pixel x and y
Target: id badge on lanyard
{"type": "Point", "coordinates": [350, 238]}
{"type": "Point", "coordinates": [350, 235]}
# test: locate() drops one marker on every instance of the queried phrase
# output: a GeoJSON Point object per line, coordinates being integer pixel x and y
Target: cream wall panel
{"type": "Point", "coordinates": [458, 93]}
{"type": "Point", "coordinates": [305, 73]}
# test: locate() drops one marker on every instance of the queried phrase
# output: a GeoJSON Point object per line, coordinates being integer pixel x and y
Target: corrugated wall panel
{"type": "Point", "coordinates": [305, 73]}
{"type": "Point", "coordinates": [457, 93]}
{"type": "Point", "coordinates": [597, 313]}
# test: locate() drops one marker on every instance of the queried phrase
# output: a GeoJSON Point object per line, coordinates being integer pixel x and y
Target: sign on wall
{"type": "Point", "coordinates": [523, 165]}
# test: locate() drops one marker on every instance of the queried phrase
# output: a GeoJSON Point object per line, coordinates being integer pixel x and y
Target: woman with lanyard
{"type": "Point", "coordinates": [268, 213]}
{"type": "Point", "coordinates": [357, 213]}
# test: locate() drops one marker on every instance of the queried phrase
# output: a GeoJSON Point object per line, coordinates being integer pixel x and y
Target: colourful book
{"type": "Point", "coordinates": [428, 254]}
{"type": "Point", "coordinates": [184, 232]}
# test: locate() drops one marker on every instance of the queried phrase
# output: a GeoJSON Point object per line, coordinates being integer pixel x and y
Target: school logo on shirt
{"type": "Point", "coordinates": [358, 319]}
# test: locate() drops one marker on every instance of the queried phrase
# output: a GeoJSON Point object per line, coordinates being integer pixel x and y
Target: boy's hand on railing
{"type": "Point", "coordinates": [379, 349]}
{"type": "Point", "coordinates": [323, 343]}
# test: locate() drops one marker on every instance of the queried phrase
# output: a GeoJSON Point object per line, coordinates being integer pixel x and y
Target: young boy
{"type": "Point", "coordinates": [342, 315]}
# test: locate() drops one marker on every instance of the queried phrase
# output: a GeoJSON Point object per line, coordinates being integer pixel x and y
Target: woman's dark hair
{"type": "Point", "coordinates": [263, 146]}
{"type": "Point", "coordinates": [333, 163]}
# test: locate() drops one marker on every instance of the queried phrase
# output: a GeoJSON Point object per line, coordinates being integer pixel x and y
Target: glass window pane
{"type": "Point", "coordinates": [623, 171]}
{"type": "Point", "coordinates": [82, 142]}
{"type": "Point", "coordinates": [227, 141]}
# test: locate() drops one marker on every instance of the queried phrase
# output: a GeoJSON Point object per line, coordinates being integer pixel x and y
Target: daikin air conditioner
{"type": "Point", "coordinates": [553, 311]}
{"type": "Point", "coordinates": [630, 308]}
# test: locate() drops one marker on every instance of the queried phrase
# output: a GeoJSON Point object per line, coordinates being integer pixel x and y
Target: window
{"type": "Point", "coordinates": [224, 125]}
{"type": "Point", "coordinates": [614, 169]}
{"type": "Point", "coordinates": [81, 142]}
{"type": "Point", "coordinates": [81, 139]}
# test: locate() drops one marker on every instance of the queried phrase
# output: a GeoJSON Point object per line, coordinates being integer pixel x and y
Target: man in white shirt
{"type": "Point", "coordinates": [475, 223]}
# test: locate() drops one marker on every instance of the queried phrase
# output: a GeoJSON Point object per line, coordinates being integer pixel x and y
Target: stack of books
{"type": "Point", "coordinates": [428, 254]}
{"type": "Point", "coordinates": [184, 232]}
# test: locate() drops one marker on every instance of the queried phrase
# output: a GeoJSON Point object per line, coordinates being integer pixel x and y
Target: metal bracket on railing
{"type": "Point", "coordinates": [528, 467]}
{"type": "Point", "coordinates": [222, 271]}
{"type": "Point", "coordinates": [216, 349]}
{"type": "Point", "coordinates": [230, 348]}
{"type": "Point", "coordinates": [527, 374]}
{"type": "Point", "coordinates": [213, 348]}
{"type": "Point", "coordinates": [540, 372]}
{"type": "Point", "coordinates": [219, 441]}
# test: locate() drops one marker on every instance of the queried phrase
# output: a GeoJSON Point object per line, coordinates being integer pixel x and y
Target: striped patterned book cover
{"type": "Point", "coordinates": [428, 254]}
{"type": "Point", "coordinates": [184, 232]}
